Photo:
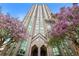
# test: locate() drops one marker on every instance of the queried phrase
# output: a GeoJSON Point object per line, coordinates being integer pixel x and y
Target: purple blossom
{"type": "Point", "coordinates": [67, 18]}
{"type": "Point", "coordinates": [15, 27]}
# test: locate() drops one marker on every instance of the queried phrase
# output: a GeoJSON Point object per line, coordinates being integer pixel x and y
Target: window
{"type": "Point", "coordinates": [39, 26]}
{"type": "Point", "coordinates": [55, 51]}
{"type": "Point", "coordinates": [22, 48]}
{"type": "Point", "coordinates": [65, 46]}
{"type": "Point", "coordinates": [30, 26]}
{"type": "Point", "coordinates": [65, 42]}
{"type": "Point", "coordinates": [23, 45]}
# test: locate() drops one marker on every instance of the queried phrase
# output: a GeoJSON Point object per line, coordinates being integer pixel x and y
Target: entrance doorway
{"type": "Point", "coordinates": [43, 51]}
{"type": "Point", "coordinates": [34, 51]}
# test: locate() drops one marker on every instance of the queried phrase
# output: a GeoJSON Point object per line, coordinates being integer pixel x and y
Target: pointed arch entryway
{"type": "Point", "coordinates": [43, 51]}
{"type": "Point", "coordinates": [34, 51]}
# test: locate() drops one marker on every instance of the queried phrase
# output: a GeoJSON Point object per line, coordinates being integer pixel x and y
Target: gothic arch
{"type": "Point", "coordinates": [43, 50]}
{"type": "Point", "coordinates": [34, 50]}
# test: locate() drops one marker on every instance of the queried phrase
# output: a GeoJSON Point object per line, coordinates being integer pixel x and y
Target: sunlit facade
{"type": "Point", "coordinates": [38, 29]}
{"type": "Point", "coordinates": [37, 43]}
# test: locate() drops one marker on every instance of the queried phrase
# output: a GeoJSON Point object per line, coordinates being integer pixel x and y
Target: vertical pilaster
{"type": "Point", "coordinates": [10, 50]}
{"type": "Point", "coordinates": [17, 48]}
{"type": "Point", "coordinates": [71, 45]}
{"type": "Point", "coordinates": [38, 51]}
{"type": "Point", "coordinates": [49, 51]}
{"type": "Point", "coordinates": [28, 47]}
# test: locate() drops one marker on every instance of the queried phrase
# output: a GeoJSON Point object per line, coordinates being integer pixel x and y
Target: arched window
{"type": "Point", "coordinates": [34, 51]}
{"type": "Point", "coordinates": [43, 51]}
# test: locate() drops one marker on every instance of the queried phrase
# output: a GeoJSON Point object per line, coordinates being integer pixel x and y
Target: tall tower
{"type": "Point", "coordinates": [37, 43]}
{"type": "Point", "coordinates": [37, 28]}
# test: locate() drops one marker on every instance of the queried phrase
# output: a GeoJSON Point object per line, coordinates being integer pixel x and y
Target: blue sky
{"type": "Point", "coordinates": [21, 9]}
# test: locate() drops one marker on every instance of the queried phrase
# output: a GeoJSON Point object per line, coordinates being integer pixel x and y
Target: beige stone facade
{"type": "Point", "coordinates": [37, 42]}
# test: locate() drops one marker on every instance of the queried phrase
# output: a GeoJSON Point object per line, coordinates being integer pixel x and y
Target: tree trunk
{"type": "Point", "coordinates": [1, 42]}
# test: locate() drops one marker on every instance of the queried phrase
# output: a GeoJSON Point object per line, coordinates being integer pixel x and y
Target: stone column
{"type": "Point", "coordinates": [28, 48]}
{"type": "Point", "coordinates": [10, 50]}
{"type": "Point", "coordinates": [71, 45]}
{"type": "Point", "coordinates": [62, 51]}
{"type": "Point", "coordinates": [49, 51]}
{"type": "Point", "coordinates": [17, 48]}
{"type": "Point", "coordinates": [39, 51]}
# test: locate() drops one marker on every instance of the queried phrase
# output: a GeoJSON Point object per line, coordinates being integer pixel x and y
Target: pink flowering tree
{"type": "Point", "coordinates": [66, 25]}
{"type": "Point", "coordinates": [12, 28]}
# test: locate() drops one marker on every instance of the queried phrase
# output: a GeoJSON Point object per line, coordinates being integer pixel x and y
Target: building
{"type": "Point", "coordinates": [37, 27]}
{"type": "Point", "coordinates": [37, 43]}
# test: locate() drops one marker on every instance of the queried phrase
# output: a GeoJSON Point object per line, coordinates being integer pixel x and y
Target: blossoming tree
{"type": "Point", "coordinates": [66, 25]}
{"type": "Point", "coordinates": [12, 28]}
